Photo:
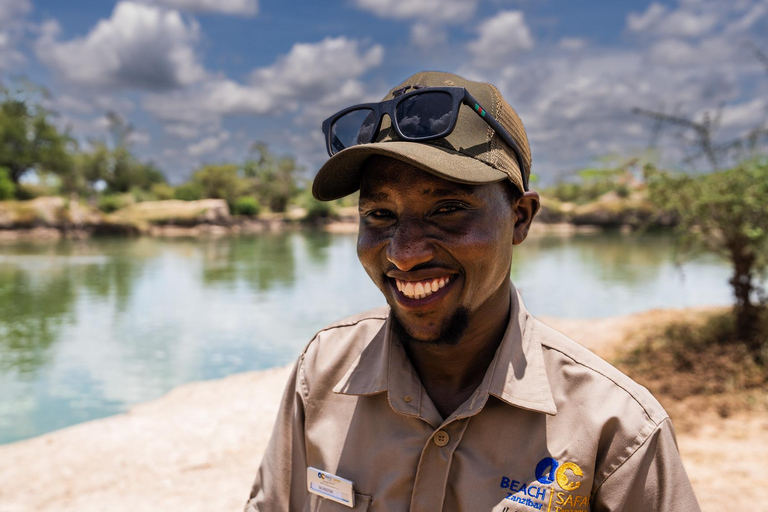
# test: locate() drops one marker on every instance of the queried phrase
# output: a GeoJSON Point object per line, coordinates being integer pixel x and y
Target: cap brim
{"type": "Point", "coordinates": [340, 175]}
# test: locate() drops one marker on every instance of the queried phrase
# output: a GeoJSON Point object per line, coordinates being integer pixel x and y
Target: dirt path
{"type": "Point", "coordinates": [197, 448]}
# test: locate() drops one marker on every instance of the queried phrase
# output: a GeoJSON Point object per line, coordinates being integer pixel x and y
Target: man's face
{"type": "Point", "coordinates": [439, 251]}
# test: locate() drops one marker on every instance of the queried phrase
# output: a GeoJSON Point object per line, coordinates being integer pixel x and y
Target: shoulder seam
{"type": "Point", "coordinates": [580, 363]}
{"type": "Point", "coordinates": [639, 445]}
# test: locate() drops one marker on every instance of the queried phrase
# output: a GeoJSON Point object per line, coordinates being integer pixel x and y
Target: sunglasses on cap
{"type": "Point", "coordinates": [418, 116]}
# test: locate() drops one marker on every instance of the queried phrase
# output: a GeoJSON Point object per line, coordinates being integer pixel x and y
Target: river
{"type": "Point", "coordinates": [88, 328]}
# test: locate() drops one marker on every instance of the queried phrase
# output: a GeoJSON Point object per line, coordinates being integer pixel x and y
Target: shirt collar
{"type": "Point", "coordinates": [517, 374]}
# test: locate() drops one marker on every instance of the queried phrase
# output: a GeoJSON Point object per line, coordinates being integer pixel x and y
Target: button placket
{"type": "Point", "coordinates": [430, 484]}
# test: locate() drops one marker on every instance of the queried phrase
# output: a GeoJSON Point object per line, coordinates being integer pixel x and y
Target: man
{"type": "Point", "coordinates": [454, 398]}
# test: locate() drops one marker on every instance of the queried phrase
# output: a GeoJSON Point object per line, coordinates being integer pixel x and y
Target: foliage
{"type": "Point", "coordinates": [725, 212]}
{"type": "Point", "coordinates": [109, 203]}
{"type": "Point", "coordinates": [117, 168]}
{"type": "Point", "coordinates": [29, 141]}
{"type": "Point", "coordinates": [274, 178]}
{"type": "Point", "coordinates": [162, 191]}
{"type": "Point", "coordinates": [7, 187]}
{"type": "Point", "coordinates": [220, 182]}
{"type": "Point", "coordinates": [592, 183]}
{"type": "Point", "coordinates": [188, 192]}
{"type": "Point", "coordinates": [246, 205]}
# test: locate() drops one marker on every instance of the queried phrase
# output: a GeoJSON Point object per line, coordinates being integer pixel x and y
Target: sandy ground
{"type": "Point", "coordinates": [197, 448]}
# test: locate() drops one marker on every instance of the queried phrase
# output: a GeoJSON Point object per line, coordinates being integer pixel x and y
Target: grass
{"type": "Point", "coordinates": [697, 364]}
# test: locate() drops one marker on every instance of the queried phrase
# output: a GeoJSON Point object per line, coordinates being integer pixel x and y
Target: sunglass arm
{"type": "Point", "coordinates": [470, 101]}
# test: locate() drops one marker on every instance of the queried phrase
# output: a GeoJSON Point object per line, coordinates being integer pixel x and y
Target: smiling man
{"type": "Point", "coordinates": [454, 398]}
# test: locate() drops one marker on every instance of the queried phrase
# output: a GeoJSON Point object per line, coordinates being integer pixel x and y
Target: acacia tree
{"type": "Point", "coordinates": [274, 178]}
{"type": "Point", "coordinates": [29, 141]}
{"type": "Point", "coordinates": [725, 212]}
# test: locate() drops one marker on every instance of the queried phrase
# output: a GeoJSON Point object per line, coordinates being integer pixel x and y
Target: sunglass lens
{"type": "Point", "coordinates": [428, 114]}
{"type": "Point", "coordinates": [355, 127]}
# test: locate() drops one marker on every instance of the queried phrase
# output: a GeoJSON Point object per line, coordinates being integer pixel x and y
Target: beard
{"type": "Point", "coordinates": [450, 333]}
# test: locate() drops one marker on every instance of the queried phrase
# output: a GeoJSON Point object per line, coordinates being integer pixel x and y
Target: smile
{"type": "Point", "coordinates": [421, 289]}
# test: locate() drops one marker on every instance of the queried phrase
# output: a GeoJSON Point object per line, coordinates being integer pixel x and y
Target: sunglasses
{"type": "Point", "coordinates": [418, 116]}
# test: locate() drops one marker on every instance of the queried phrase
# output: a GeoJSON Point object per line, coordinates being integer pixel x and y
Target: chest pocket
{"type": "Point", "coordinates": [317, 503]}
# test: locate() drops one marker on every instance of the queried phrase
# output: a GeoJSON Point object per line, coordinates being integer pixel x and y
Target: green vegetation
{"type": "Point", "coordinates": [28, 141]}
{"type": "Point", "coordinates": [592, 183]}
{"type": "Point", "coordinates": [247, 206]}
{"type": "Point", "coordinates": [697, 360]}
{"type": "Point", "coordinates": [726, 213]}
{"type": "Point", "coordinates": [105, 173]}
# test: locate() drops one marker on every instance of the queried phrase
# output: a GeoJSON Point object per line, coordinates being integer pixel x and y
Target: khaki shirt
{"type": "Point", "coordinates": [552, 427]}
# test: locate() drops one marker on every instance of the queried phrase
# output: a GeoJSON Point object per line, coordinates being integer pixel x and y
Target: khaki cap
{"type": "Point", "coordinates": [473, 153]}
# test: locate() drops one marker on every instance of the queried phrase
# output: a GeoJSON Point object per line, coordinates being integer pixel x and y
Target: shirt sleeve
{"type": "Point", "coordinates": [281, 481]}
{"type": "Point", "coordinates": [652, 479]}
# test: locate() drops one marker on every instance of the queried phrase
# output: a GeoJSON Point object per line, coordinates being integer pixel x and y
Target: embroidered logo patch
{"type": "Point", "coordinates": [553, 490]}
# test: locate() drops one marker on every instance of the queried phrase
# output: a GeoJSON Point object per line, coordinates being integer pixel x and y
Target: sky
{"type": "Point", "coordinates": [201, 80]}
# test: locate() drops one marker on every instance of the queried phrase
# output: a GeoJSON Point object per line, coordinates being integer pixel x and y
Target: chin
{"type": "Point", "coordinates": [448, 334]}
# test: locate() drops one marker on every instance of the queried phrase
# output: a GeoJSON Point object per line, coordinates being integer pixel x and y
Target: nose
{"type": "Point", "coordinates": [409, 247]}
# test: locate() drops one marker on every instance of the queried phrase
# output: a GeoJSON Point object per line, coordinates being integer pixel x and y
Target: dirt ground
{"type": "Point", "coordinates": [197, 448]}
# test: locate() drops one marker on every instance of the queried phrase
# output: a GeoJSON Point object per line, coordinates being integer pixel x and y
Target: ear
{"type": "Point", "coordinates": [525, 210]}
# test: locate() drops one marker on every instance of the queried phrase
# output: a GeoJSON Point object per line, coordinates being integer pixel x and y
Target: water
{"type": "Point", "coordinates": [89, 328]}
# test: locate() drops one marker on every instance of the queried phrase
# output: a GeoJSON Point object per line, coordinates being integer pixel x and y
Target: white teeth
{"type": "Point", "coordinates": [421, 289]}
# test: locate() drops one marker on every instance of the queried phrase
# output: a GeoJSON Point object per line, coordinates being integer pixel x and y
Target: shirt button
{"type": "Point", "coordinates": [407, 399]}
{"type": "Point", "coordinates": [441, 438]}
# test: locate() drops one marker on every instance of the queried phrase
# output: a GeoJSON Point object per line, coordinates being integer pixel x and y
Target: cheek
{"type": "Point", "coordinates": [368, 250]}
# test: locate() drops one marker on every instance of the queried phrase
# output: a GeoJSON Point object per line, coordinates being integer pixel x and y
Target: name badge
{"type": "Point", "coordinates": [330, 486]}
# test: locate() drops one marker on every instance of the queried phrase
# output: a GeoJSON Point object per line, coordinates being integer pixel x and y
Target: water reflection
{"type": "Point", "coordinates": [87, 329]}
{"type": "Point", "coordinates": [262, 262]}
{"type": "Point", "coordinates": [32, 311]}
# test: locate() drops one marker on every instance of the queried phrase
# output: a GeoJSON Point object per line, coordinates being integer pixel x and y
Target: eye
{"type": "Point", "coordinates": [449, 208]}
{"type": "Point", "coordinates": [379, 214]}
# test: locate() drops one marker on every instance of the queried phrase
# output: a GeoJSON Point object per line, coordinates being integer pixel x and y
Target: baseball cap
{"type": "Point", "coordinates": [472, 153]}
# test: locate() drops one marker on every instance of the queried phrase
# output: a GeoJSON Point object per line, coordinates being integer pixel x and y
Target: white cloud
{"type": "Point", "coordinates": [572, 43]}
{"type": "Point", "coordinates": [501, 36]}
{"type": "Point", "coordinates": [746, 115]}
{"type": "Point", "coordinates": [12, 28]}
{"type": "Point", "coordinates": [428, 35]}
{"type": "Point", "coordinates": [138, 138]}
{"type": "Point", "coordinates": [183, 131]}
{"type": "Point", "coordinates": [140, 46]}
{"type": "Point", "coordinates": [577, 105]}
{"type": "Point", "coordinates": [232, 7]}
{"type": "Point", "coordinates": [691, 19]}
{"type": "Point", "coordinates": [208, 144]}
{"type": "Point", "coordinates": [450, 11]}
{"type": "Point", "coordinates": [308, 73]}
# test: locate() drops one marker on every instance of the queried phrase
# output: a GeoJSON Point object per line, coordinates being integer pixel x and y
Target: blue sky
{"type": "Point", "coordinates": [201, 80]}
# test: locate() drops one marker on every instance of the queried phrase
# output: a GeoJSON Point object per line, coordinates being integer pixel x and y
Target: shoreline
{"type": "Point", "coordinates": [247, 227]}
{"type": "Point", "coordinates": [198, 447]}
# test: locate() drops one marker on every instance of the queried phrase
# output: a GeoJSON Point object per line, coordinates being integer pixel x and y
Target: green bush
{"type": "Point", "coordinates": [110, 203]}
{"type": "Point", "coordinates": [7, 187]}
{"type": "Point", "coordinates": [246, 205]}
{"type": "Point", "coordinates": [320, 210]}
{"type": "Point", "coordinates": [162, 191]}
{"type": "Point", "coordinates": [188, 192]}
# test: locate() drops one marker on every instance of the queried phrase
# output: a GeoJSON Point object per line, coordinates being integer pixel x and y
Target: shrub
{"type": "Point", "coordinates": [188, 192]}
{"type": "Point", "coordinates": [320, 210]}
{"type": "Point", "coordinates": [7, 188]}
{"type": "Point", "coordinates": [110, 203]}
{"type": "Point", "coordinates": [246, 205]}
{"type": "Point", "coordinates": [162, 191]}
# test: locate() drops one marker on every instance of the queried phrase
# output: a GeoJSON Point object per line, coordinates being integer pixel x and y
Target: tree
{"type": "Point", "coordinates": [274, 178]}
{"type": "Point", "coordinates": [29, 141]}
{"type": "Point", "coordinates": [725, 212]}
{"type": "Point", "coordinates": [220, 182]}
